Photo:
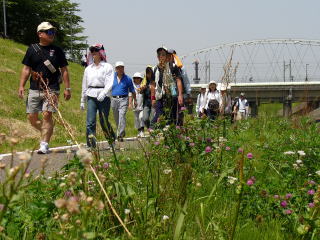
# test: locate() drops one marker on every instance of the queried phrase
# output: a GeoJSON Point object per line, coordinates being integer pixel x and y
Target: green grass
{"type": "Point", "coordinates": [12, 109]}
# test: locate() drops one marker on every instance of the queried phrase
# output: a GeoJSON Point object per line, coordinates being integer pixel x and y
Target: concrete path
{"type": "Point", "coordinates": [60, 156]}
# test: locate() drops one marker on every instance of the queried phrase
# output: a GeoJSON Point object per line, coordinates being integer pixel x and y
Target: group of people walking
{"type": "Point", "coordinates": [212, 102]}
{"type": "Point", "coordinates": [159, 92]}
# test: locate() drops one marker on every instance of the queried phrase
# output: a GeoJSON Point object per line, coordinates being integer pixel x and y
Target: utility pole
{"type": "Point", "coordinates": [307, 72]}
{"type": "Point", "coordinates": [196, 79]}
{"type": "Point", "coordinates": [290, 76]}
{"type": "Point", "coordinates": [209, 71]}
{"type": "Point", "coordinates": [4, 19]}
{"type": "Point", "coordinates": [284, 71]}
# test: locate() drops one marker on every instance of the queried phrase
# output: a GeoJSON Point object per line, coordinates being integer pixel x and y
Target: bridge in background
{"type": "Point", "coordinates": [267, 70]}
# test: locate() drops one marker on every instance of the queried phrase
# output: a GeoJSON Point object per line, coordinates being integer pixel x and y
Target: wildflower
{"type": "Point", "coordinates": [69, 142]}
{"type": "Point", "coordinates": [209, 140]}
{"type": "Point", "coordinates": [289, 153]}
{"type": "Point", "coordinates": [1, 207]}
{"type": "Point", "coordinates": [73, 205]}
{"type": "Point", "coordinates": [228, 148]}
{"type": "Point", "coordinates": [14, 141]}
{"type": "Point", "coordinates": [85, 156]}
{"type": "Point", "coordinates": [106, 165]}
{"type": "Point", "coordinates": [311, 182]}
{"type": "Point", "coordinates": [78, 221]}
{"type": "Point", "coordinates": [232, 180]}
{"type": "Point", "coordinates": [65, 217]}
{"type": "Point", "coordinates": [192, 144]}
{"type": "Point", "coordinates": [198, 184]}
{"type": "Point", "coordinates": [250, 182]}
{"type": "Point", "coordinates": [89, 200]}
{"type": "Point", "coordinates": [318, 172]}
{"type": "Point", "coordinates": [62, 185]}
{"type": "Point", "coordinates": [311, 205]}
{"type": "Point", "coordinates": [99, 205]}
{"type": "Point", "coordinates": [288, 195]}
{"type": "Point", "coordinates": [276, 196]}
{"type": "Point", "coordinates": [156, 143]}
{"type": "Point", "coordinates": [127, 211]}
{"type": "Point", "coordinates": [284, 204]}
{"type": "Point", "coordinates": [208, 149]}
{"type": "Point", "coordinates": [222, 139]}
{"type": "Point", "coordinates": [150, 130]}
{"type": "Point", "coordinates": [183, 108]}
{"type": "Point", "coordinates": [68, 193]}
{"type": "Point", "coordinates": [249, 155]}
{"type": "Point", "coordinates": [167, 171]}
{"type": "Point", "coordinates": [240, 150]}
{"type": "Point", "coordinates": [295, 166]}
{"type": "Point", "coordinates": [311, 192]}
{"type": "Point", "coordinates": [301, 153]}
{"type": "Point", "coordinates": [165, 217]}
{"type": "Point", "coordinates": [25, 156]}
{"type": "Point", "coordinates": [60, 203]}
{"type": "Point", "coordinates": [299, 161]}
{"type": "Point", "coordinates": [188, 139]}
{"type": "Point", "coordinates": [288, 212]}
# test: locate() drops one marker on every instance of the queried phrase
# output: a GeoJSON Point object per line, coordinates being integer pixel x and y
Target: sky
{"type": "Point", "coordinates": [132, 30]}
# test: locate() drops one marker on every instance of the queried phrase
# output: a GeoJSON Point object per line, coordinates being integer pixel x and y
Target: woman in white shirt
{"type": "Point", "coordinates": [212, 100]}
{"type": "Point", "coordinates": [96, 88]}
{"type": "Point", "coordinates": [200, 107]}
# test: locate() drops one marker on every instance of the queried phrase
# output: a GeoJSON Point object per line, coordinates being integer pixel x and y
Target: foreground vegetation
{"type": "Point", "coordinates": [208, 180]}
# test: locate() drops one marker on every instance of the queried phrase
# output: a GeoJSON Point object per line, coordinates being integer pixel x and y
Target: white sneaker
{"type": "Point", "coordinates": [142, 134]}
{"type": "Point", "coordinates": [44, 148]}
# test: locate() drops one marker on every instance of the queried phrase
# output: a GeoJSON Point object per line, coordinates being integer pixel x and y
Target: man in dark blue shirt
{"type": "Point", "coordinates": [122, 86]}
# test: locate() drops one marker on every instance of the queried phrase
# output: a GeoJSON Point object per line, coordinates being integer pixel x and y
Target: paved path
{"type": "Point", "coordinates": [60, 156]}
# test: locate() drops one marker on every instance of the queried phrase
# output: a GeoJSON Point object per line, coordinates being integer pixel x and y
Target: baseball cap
{"type": "Point", "coordinates": [242, 94]}
{"type": "Point", "coordinates": [137, 75]}
{"type": "Point", "coordinates": [119, 64]}
{"type": "Point", "coordinates": [162, 48]}
{"type": "Point", "coordinates": [45, 26]}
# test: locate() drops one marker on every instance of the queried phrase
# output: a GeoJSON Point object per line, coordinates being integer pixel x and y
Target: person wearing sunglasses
{"type": "Point", "coordinates": [45, 64]}
{"type": "Point", "coordinates": [96, 90]}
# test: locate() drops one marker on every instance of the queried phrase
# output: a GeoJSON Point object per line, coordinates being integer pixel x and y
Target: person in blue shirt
{"type": "Point", "coordinates": [122, 86]}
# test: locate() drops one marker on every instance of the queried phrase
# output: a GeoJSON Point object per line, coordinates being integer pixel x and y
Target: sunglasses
{"type": "Point", "coordinates": [94, 50]}
{"type": "Point", "coordinates": [49, 32]}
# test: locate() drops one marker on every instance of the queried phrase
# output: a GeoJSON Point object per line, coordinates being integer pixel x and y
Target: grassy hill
{"type": "Point", "coordinates": [13, 119]}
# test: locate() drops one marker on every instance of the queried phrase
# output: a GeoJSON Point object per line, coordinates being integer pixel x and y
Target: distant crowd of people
{"type": "Point", "coordinates": [159, 92]}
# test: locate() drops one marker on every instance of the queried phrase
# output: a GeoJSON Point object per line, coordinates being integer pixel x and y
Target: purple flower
{"type": "Point", "coordinates": [209, 140]}
{"type": "Point", "coordinates": [191, 144]}
{"type": "Point", "coordinates": [311, 182]}
{"type": "Point", "coordinates": [311, 192]}
{"type": "Point", "coordinates": [284, 204]}
{"type": "Point", "coordinates": [187, 138]}
{"type": "Point", "coordinates": [156, 143]}
{"type": "Point", "coordinates": [240, 150]}
{"type": "Point", "coordinates": [178, 127]}
{"type": "Point", "coordinates": [68, 194]}
{"type": "Point", "coordinates": [276, 196]}
{"type": "Point", "coordinates": [208, 149]}
{"type": "Point", "coordinates": [250, 182]}
{"type": "Point", "coordinates": [288, 212]}
{"type": "Point", "coordinates": [183, 108]}
{"type": "Point", "coordinates": [311, 205]}
{"type": "Point", "coordinates": [288, 196]}
{"type": "Point", "coordinates": [228, 148]}
{"type": "Point", "coordinates": [106, 165]}
{"type": "Point", "coordinates": [249, 155]}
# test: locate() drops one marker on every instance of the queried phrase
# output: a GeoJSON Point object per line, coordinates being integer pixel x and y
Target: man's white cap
{"type": "Point", "coordinates": [212, 82]}
{"type": "Point", "coordinates": [242, 94]}
{"type": "Point", "coordinates": [137, 75]}
{"type": "Point", "coordinates": [223, 87]}
{"type": "Point", "coordinates": [119, 64]}
{"type": "Point", "coordinates": [45, 26]}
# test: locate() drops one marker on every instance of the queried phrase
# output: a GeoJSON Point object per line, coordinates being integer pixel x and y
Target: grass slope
{"type": "Point", "coordinates": [12, 109]}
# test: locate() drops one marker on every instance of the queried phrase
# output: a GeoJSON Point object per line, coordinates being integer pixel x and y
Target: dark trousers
{"type": "Point", "coordinates": [169, 108]}
{"type": "Point", "coordinates": [103, 107]}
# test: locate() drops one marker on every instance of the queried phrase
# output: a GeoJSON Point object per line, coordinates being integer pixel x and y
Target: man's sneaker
{"type": "Point", "coordinates": [44, 148]}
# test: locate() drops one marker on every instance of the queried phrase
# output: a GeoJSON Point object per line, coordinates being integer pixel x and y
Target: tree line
{"type": "Point", "coordinates": [23, 17]}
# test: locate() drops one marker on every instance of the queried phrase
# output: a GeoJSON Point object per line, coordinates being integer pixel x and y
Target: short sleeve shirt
{"type": "Point", "coordinates": [35, 60]}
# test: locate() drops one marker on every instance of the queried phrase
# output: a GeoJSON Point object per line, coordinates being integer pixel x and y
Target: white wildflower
{"type": "Point", "coordinates": [165, 217]}
{"type": "Point", "coordinates": [295, 166]}
{"type": "Point", "coordinates": [25, 156]}
{"type": "Point", "coordinates": [299, 161]}
{"type": "Point", "coordinates": [222, 139]}
{"type": "Point", "coordinates": [301, 153]}
{"type": "Point", "coordinates": [318, 172]}
{"type": "Point", "coordinates": [127, 211]}
{"type": "Point", "coordinates": [289, 153]}
{"type": "Point", "coordinates": [198, 184]}
{"type": "Point", "coordinates": [167, 171]}
{"type": "Point", "coordinates": [232, 180]}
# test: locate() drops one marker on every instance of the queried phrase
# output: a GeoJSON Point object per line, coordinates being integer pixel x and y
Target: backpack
{"type": "Point", "coordinates": [213, 105]}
